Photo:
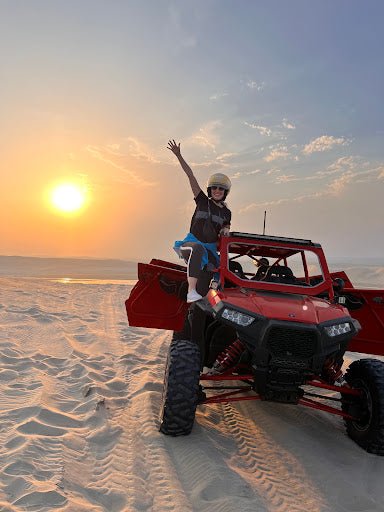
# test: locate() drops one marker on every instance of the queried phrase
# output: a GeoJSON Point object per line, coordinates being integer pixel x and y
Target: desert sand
{"type": "Point", "coordinates": [80, 393]}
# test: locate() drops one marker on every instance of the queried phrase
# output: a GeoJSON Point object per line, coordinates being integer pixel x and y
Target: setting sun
{"type": "Point", "coordinates": [68, 197]}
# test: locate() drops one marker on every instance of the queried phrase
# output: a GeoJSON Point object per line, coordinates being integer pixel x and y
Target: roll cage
{"type": "Point", "coordinates": [277, 249]}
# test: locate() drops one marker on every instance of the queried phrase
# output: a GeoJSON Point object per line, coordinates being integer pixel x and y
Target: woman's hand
{"type": "Point", "coordinates": [175, 148]}
{"type": "Point", "coordinates": [224, 231]}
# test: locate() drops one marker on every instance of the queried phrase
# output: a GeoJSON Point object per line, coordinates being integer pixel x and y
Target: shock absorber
{"type": "Point", "coordinates": [228, 358]}
{"type": "Point", "coordinates": [332, 370]}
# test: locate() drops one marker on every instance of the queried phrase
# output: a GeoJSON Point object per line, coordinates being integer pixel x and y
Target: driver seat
{"type": "Point", "coordinates": [280, 274]}
{"type": "Point", "coordinates": [236, 268]}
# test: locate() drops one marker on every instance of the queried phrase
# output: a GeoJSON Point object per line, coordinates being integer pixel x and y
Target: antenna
{"type": "Point", "coordinates": [265, 216]}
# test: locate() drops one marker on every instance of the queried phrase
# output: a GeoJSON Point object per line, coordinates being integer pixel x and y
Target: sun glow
{"type": "Point", "coordinates": [68, 197]}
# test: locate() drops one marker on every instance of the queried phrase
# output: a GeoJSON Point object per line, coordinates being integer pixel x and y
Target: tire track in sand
{"type": "Point", "coordinates": [275, 472]}
{"type": "Point", "coordinates": [123, 465]}
{"type": "Point", "coordinates": [139, 455]}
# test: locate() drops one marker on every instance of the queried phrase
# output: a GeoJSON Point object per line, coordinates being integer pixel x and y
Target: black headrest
{"type": "Point", "coordinates": [236, 268]}
{"type": "Point", "coordinates": [281, 271]}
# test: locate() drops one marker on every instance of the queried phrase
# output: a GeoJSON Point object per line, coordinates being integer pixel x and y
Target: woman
{"type": "Point", "coordinates": [210, 220]}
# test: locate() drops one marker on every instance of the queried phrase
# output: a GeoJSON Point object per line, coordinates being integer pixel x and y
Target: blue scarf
{"type": "Point", "coordinates": [207, 246]}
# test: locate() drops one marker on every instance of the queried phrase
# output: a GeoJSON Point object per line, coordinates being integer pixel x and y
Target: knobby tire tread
{"type": "Point", "coordinates": [371, 372]}
{"type": "Point", "coordinates": [181, 388]}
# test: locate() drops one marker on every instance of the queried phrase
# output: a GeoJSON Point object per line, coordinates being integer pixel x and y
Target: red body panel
{"type": "Point", "coordinates": [295, 308]}
{"type": "Point", "coordinates": [149, 305]}
{"type": "Point", "coordinates": [370, 340]}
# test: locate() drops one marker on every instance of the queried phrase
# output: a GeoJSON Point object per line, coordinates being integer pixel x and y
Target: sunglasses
{"type": "Point", "coordinates": [218, 188]}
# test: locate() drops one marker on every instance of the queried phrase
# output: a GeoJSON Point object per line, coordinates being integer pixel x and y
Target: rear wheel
{"type": "Point", "coordinates": [367, 430]}
{"type": "Point", "coordinates": [181, 388]}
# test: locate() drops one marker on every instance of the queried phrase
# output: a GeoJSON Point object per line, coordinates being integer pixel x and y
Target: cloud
{"type": "Point", "coordinates": [263, 130]}
{"type": "Point", "coordinates": [111, 155]}
{"type": "Point", "coordinates": [285, 178]}
{"type": "Point", "coordinates": [351, 173]}
{"type": "Point", "coordinates": [218, 95]}
{"type": "Point", "coordinates": [239, 174]}
{"type": "Point", "coordinates": [132, 147]}
{"type": "Point", "coordinates": [140, 151]}
{"type": "Point", "coordinates": [369, 175]}
{"type": "Point", "coordinates": [210, 164]}
{"type": "Point", "coordinates": [275, 132]}
{"type": "Point", "coordinates": [341, 164]}
{"type": "Point", "coordinates": [338, 184]}
{"type": "Point", "coordinates": [288, 125]}
{"type": "Point", "coordinates": [218, 163]}
{"type": "Point", "coordinates": [273, 171]}
{"type": "Point", "coordinates": [257, 86]}
{"type": "Point", "coordinates": [324, 143]}
{"type": "Point", "coordinates": [206, 136]}
{"type": "Point", "coordinates": [277, 153]}
{"type": "Point", "coordinates": [254, 206]}
{"type": "Point", "coordinates": [113, 147]}
{"type": "Point", "coordinates": [333, 188]}
{"type": "Point", "coordinates": [225, 156]}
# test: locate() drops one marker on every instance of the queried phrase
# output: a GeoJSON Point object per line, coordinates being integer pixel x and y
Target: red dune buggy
{"type": "Point", "coordinates": [274, 324]}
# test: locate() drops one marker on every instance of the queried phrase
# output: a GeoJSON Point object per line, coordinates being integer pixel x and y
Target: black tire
{"type": "Point", "coordinates": [181, 388]}
{"type": "Point", "coordinates": [368, 430]}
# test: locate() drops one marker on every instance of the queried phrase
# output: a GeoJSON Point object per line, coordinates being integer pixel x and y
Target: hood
{"type": "Point", "coordinates": [284, 306]}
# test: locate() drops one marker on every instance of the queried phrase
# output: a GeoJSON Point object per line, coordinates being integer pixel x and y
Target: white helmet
{"type": "Point", "coordinates": [219, 180]}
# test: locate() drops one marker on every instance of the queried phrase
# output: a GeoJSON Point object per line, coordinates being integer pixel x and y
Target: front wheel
{"type": "Point", "coordinates": [181, 388]}
{"type": "Point", "coordinates": [367, 430]}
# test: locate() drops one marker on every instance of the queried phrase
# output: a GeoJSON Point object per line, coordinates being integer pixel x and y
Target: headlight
{"type": "Point", "coordinates": [236, 317]}
{"type": "Point", "coordinates": [337, 329]}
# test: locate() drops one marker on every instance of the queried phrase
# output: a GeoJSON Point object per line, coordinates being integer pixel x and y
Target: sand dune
{"type": "Point", "coordinates": [79, 397]}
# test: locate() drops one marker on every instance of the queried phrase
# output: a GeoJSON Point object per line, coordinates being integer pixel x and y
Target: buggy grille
{"type": "Point", "coordinates": [285, 342]}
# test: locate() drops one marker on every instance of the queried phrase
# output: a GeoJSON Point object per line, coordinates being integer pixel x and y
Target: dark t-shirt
{"type": "Point", "coordinates": [220, 216]}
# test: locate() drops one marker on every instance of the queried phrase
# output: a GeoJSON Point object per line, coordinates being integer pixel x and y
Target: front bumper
{"type": "Point", "coordinates": [285, 354]}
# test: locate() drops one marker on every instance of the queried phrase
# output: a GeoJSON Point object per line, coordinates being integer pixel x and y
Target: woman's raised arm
{"type": "Point", "coordinates": [175, 148]}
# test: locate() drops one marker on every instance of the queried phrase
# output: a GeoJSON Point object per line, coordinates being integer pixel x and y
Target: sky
{"type": "Point", "coordinates": [285, 97]}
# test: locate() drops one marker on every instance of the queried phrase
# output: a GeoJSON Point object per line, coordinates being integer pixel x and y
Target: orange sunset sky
{"type": "Point", "coordinates": [283, 97]}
